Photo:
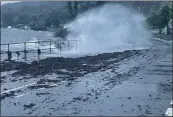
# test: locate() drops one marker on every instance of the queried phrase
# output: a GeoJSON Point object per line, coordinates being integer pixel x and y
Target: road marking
{"type": "Point", "coordinates": [22, 95]}
{"type": "Point", "coordinates": [169, 111]}
{"type": "Point", "coordinates": [18, 88]}
{"type": "Point", "coordinates": [34, 91]}
{"type": "Point", "coordinates": [14, 89]}
{"type": "Point", "coordinates": [29, 92]}
{"type": "Point", "coordinates": [162, 40]}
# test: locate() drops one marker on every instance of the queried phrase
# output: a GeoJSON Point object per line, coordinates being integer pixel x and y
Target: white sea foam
{"type": "Point", "coordinates": [109, 28]}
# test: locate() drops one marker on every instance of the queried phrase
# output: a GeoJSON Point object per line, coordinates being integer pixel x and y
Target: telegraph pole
{"type": "Point", "coordinates": [139, 9]}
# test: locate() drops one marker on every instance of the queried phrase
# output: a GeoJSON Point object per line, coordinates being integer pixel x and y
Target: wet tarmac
{"type": "Point", "coordinates": [118, 84]}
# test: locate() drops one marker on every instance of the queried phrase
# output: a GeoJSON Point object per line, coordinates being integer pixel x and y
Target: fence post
{"type": "Point", "coordinates": [76, 44]}
{"type": "Point", "coordinates": [60, 47]}
{"type": "Point", "coordinates": [24, 46]}
{"type": "Point", "coordinates": [50, 47]}
{"type": "Point", "coordinates": [68, 44]}
{"type": "Point", "coordinates": [38, 45]}
{"type": "Point", "coordinates": [25, 52]}
{"type": "Point", "coordinates": [8, 47]}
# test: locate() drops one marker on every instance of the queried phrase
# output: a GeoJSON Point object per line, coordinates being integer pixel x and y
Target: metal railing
{"type": "Point", "coordinates": [38, 50]}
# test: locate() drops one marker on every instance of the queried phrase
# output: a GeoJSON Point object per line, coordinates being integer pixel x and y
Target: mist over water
{"type": "Point", "coordinates": [110, 28]}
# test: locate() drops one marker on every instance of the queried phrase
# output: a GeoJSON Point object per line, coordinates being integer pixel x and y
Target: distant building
{"type": "Point", "coordinates": [9, 27]}
{"type": "Point", "coordinates": [26, 27]}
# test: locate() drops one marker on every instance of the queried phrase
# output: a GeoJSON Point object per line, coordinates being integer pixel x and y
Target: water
{"type": "Point", "coordinates": [14, 35]}
{"type": "Point", "coordinates": [19, 36]}
{"type": "Point", "coordinates": [109, 28]}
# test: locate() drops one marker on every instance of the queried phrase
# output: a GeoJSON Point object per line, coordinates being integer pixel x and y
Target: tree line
{"type": "Point", "coordinates": [42, 15]}
{"type": "Point", "coordinates": [51, 15]}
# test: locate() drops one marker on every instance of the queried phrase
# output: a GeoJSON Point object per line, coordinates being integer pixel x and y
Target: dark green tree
{"type": "Point", "coordinates": [73, 8]}
{"type": "Point", "coordinates": [165, 16]}
{"type": "Point", "coordinates": [160, 19]}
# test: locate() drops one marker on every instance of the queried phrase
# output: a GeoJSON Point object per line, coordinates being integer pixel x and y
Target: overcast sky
{"type": "Point", "coordinates": [5, 2]}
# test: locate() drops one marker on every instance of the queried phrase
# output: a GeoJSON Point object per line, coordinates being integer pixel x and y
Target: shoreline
{"type": "Point", "coordinates": [67, 69]}
{"type": "Point", "coordinates": [87, 63]}
{"type": "Point", "coordinates": [48, 30]}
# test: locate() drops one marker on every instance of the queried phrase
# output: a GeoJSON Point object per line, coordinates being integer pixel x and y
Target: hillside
{"type": "Point", "coordinates": [51, 14]}
{"type": "Point", "coordinates": [32, 13]}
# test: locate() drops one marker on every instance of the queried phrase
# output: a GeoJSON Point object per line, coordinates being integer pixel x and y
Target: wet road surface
{"type": "Point", "coordinates": [138, 85]}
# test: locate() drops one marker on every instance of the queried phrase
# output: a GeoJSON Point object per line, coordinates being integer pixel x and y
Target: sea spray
{"type": "Point", "coordinates": [110, 28]}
